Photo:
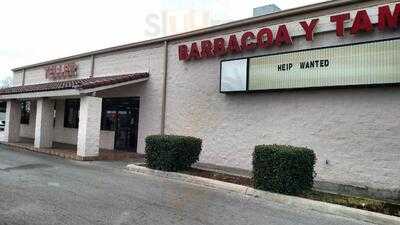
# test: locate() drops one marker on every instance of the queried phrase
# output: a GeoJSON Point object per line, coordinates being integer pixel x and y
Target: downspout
{"type": "Point", "coordinates": [164, 88]}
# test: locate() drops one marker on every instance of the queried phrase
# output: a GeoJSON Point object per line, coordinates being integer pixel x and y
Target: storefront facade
{"type": "Point", "coordinates": [235, 86]}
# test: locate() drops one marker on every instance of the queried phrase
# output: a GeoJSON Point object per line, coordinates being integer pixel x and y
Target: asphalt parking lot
{"type": "Point", "coordinates": [41, 189]}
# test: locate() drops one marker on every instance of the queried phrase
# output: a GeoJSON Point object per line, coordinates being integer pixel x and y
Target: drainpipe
{"type": "Point", "coordinates": [164, 88]}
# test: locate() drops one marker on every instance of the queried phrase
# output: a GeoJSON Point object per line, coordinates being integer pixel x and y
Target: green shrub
{"type": "Point", "coordinates": [283, 169]}
{"type": "Point", "coordinates": [171, 152]}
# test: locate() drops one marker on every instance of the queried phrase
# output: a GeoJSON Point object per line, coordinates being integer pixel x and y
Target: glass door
{"type": "Point", "coordinates": [121, 115]}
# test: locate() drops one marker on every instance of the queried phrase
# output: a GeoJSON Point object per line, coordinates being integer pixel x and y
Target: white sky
{"type": "Point", "coordinates": [39, 30]}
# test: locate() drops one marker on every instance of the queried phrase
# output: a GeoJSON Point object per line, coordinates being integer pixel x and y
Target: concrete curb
{"type": "Point", "coordinates": [295, 202]}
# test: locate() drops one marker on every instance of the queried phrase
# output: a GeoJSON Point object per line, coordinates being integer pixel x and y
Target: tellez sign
{"type": "Point", "coordinates": [61, 71]}
{"type": "Point", "coordinates": [249, 41]}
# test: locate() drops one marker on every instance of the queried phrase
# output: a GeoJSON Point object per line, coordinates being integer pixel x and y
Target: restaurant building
{"type": "Point", "coordinates": [323, 76]}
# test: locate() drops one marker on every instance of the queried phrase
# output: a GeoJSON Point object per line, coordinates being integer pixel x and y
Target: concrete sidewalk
{"type": "Point", "coordinates": [68, 151]}
{"type": "Point", "coordinates": [387, 195]}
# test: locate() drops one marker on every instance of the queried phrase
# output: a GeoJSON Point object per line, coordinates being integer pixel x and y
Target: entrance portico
{"type": "Point", "coordinates": [44, 99]}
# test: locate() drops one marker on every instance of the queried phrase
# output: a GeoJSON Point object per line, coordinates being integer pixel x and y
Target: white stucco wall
{"type": "Point", "coordinates": [356, 129]}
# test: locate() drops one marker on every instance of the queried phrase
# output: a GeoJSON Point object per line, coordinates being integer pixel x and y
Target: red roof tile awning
{"type": "Point", "coordinates": [78, 84]}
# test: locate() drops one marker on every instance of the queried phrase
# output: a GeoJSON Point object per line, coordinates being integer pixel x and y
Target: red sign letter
{"type": "Point", "coordinates": [309, 28]}
{"type": "Point", "coordinates": [206, 49]}
{"type": "Point", "coordinates": [219, 47]}
{"type": "Point", "coordinates": [339, 19]}
{"type": "Point", "coordinates": [183, 52]}
{"type": "Point", "coordinates": [233, 45]}
{"type": "Point", "coordinates": [247, 41]}
{"type": "Point", "coordinates": [265, 32]}
{"type": "Point", "coordinates": [282, 36]}
{"type": "Point", "coordinates": [362, 22]}
{"type": "Point", "coordinates": [387, 19]}
{"type": "Point", "coordinates": [194, 51]}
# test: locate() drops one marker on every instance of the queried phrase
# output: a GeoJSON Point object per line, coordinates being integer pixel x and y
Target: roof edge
{"type": "Point", "coordinates": [233, 24]}
{"type": "Point", "coordinates": [76, 84]}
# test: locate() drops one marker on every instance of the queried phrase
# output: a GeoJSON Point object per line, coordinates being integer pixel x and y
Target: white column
{"type": "Point", "coordinates": [89, 126]}
{"type": "Point", "coordinates": [13, 121]}
{"type": "Point", "coordinates": [44, 123]}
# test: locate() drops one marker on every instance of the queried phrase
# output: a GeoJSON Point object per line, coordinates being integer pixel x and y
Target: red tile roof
{"type": "Point", "coordinates": [78, 84]}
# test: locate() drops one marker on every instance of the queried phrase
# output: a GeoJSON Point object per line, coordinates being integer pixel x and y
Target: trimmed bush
{"type": "Point", "coordinates": [283, 169]}
{"type": "Point", "coordinates": [171, 152]}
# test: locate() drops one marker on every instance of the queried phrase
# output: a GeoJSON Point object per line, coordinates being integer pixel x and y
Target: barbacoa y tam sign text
{"type": "Point", "coordinates": [249, 41]}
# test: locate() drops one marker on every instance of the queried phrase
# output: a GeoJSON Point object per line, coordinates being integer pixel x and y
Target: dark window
{"type": "Point", "coordinates": [108, 119]}
{"type": "Point", "coordinates": [71, 113]}
{"type": "Point", "coordinates": [25, 111]}
{"type": "Point", "coordinates": [114, 111]}
{"type": "Point", "coordinates": [3, 106]}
